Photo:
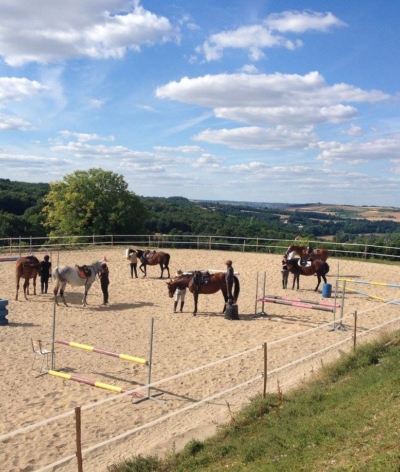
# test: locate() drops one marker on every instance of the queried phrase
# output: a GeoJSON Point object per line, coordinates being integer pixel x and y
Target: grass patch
{"type": "Point", "coordinates": [346, 419]}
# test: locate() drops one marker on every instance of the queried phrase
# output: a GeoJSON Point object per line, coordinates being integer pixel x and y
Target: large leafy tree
{"type": "Point", "coordinates": [92, 202]}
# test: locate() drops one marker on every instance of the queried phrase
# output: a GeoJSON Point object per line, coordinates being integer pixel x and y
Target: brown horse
{"type": "Point", "coordinates": [27, 268]}
{"type": "Point", "coordinates": [319, 267]}
{"type": "Point", "coordinates": [204, 283]}
{"type": "Point", "coordinates": [317, 254]}
{"type": "Point", "coordinates": [153, 258]}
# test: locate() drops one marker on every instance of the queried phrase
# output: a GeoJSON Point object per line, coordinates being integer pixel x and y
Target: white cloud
{"type": "Point", "coordinates": [354, 152]}
{"type": "Point", "coordinates": [15, 89]}
{"type": "Point", "coordinates": [14, 123]}
{"type": "Point", "coordinates": [208, 161]}
{"type": "Point", "coordinates": [258, 138]}
{"type": "Point", "coordinates": [264, 90]}
{"type": "Point", "coordinates": [353, 131]}
{"type": "Point", "coordinates": [43, 31]}
{"type": "Point", "coordinates": [300, 22]}
{"type": "Point", "coordinates": [183, 149]}
{"type": "Point", "coordinates": [257, 37]}
{"type": "Point", "coordinates": [83, 137]}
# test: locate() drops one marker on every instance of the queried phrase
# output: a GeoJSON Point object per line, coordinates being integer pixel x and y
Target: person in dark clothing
{"type": "Point", "coordinates": [104, 282]}
{"type": "Point", "coordinates": [229, 278]}
{"type": "Point", "coordinates": [45, 273]}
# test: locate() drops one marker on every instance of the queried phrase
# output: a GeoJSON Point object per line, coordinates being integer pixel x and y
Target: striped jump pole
{"type": "Point", "coordinates": [93, 383]}
{"type": "Point", "coordinates": [300, 300]}
{"type": "Point", "coordinates": [85, 347]}
{"type": "Point", "coordinates": [262, 312]}
{"type": "Point", "coordinates": [365, 282]}
{"type": "Point", "coordinates": [374, 297]}
{"type": "Point", "coordinates": [125, 357]}
{"type": "Point", "coordinates": [297, 304]}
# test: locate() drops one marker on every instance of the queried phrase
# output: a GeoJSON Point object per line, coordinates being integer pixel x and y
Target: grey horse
{"type": "Point", "coordinates": [75, 276]}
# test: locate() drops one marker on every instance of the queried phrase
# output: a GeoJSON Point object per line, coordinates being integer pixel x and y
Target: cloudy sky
{"type": "Point", "coordinates": [252, 100]}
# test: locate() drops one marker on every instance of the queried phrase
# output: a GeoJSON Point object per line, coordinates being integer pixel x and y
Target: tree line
{"type": "Point", "coordinates": [99, 202]}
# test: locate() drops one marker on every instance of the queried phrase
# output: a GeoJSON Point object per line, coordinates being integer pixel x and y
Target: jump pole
{"type": "Point", "coordinates": [301, 300]}
{"type": "Point", "coordinates": [106, 352]}
{"type": "Point", "coordinates": [298, 304]}
{"type": "Point", "coordinates": [369, 295]}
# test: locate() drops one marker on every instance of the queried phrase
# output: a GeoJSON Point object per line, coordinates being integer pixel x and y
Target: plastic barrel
{"type": "Point", "coordinates": [327, 290]}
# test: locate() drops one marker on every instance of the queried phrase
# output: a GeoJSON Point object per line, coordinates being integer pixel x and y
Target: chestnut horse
{"type": "Point", "coordinates": [317, 254]}
{"type": "Point", "coordinates": [27, 268]}
{"type": "Point", "coordinates": [319, 267]}
{"type": "Point", "coordinates": [204, 283]}
{"type": "Point", "coordinates": [153, 258]}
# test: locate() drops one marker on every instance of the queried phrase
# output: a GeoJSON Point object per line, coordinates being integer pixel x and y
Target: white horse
{"type": "Point", "coordinates": [64, 275]}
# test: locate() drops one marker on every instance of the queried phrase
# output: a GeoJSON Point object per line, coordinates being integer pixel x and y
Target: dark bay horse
{"type": "Point", "coordinates": [319, 267]}
{"type": "Point", "coordinates": [153, 258]}
{"type": "Point", "coordinates": [206, 284]}
{"type": "Point", "coordinates": [27, 268]}
{"type": "Point", "coordinates": [317, 254]}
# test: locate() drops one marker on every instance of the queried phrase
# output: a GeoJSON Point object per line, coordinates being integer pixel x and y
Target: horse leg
{"type": "Point", "coordinates": [195, 299]}
{"type": "Point", "coordinates": [84, 302]}
{"type": "Point", "coordinates": [55, 291]}
{"type": "Point", "coordinates": [62, 293]}
{"type": "Point", "coordinates": [34, 285]}
{"type": "Point", "coordinates": [319, 281]}
{"type": "Point", "coordinates": [141, 268]}
{"type": "Point", "coordinates": [16, 295]}
{"type": "Point", "coordinates": [162, 270]}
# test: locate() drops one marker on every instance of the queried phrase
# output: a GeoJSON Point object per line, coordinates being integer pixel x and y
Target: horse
{"type": "Point", "coordinates": [27, 268]}
{"type": "Point", "coordinates": [153, 258]}
{"type": "Point", "coordinates": [319, 267]}
{"type": "Point", "coordinates": [204, 283]}
{"type": "Point", "coordinates": [317, 254]}
{"type": "Point", "coordinates": [77, 276]}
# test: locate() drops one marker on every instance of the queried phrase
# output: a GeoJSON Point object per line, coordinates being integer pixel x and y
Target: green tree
{"type": "Point", "coordinates": [92, 202]}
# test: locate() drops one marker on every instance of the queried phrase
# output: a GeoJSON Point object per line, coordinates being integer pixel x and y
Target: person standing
{"type": "Point", "coordinates": [132, 257]}
{"type": "Point", "coordinates": [229, 278]}
{"type": "Point", "coordinates": [180, 293]}
{"type": "Point", "coordinates": [104, 276]}
{"type": "Point", "coordinates": [45, 273]}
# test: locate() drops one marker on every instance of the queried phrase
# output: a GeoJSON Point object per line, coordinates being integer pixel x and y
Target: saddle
{"type": "Point", "coordinates": [305, 262]}
{"type": "Point", "coordinates": [147, 255]}
{"type": "Point", "coordinates": [31, 261]}
{"type": "Point", "coordinates": [84, 271]}
{"type": "Point", "coordinates": [201, 278]}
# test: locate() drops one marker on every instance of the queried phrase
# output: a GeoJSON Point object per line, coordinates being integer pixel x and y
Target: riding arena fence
{"type": "Point", "coordinates": [17, 246]}
{"type": "Point", "coordinates": [268, 368]}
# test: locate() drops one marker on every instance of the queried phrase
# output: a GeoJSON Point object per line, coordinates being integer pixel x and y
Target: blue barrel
{"type": "Point", "coordinates": [3, 312]}
{"type": "Point", "coordinates": [327, 290]}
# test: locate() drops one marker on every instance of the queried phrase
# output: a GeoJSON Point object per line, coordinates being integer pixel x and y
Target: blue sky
{"type": "Point", "coordinates": [268, 101]}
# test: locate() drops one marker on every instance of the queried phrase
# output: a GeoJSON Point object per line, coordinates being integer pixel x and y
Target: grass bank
{"type": "Point", "coordinates": [346, 419]}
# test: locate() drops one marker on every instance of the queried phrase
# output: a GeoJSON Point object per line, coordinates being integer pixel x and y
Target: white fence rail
{"type": "Point", "coordinates": [23, 245]}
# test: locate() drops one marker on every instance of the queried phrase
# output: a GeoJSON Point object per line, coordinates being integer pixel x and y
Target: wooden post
{"type": "Point", "coordinates": [265, 369]}
{"type": "Point", "coordinates": [78, 438]}
{"type": "Point", "coordinates": [355, 331]}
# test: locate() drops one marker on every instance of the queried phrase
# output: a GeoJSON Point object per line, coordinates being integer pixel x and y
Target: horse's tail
{"type": "Point", "coordinates": [55, 274]}
{"type": "Point", "coordinates": [237, 288]}
{"type": "Point", "coordinates": [325, 268]}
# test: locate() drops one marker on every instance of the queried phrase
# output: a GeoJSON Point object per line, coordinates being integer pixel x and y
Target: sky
{"type": "Point", "coordinates": [241, 100]}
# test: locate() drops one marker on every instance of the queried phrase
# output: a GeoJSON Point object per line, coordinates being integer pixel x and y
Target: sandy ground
{"type": "Point", "coordinates": [181, 343]}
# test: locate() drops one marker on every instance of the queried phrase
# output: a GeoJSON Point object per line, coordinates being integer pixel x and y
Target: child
{"type": "Point", "coordinates": [180, 293]}
{"type": "Point", "coordinates": [229, 278]}
{"type": "Point", "coordinates": [45, 272]}
{"type": "Point", "coordinates": [104, 282]}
